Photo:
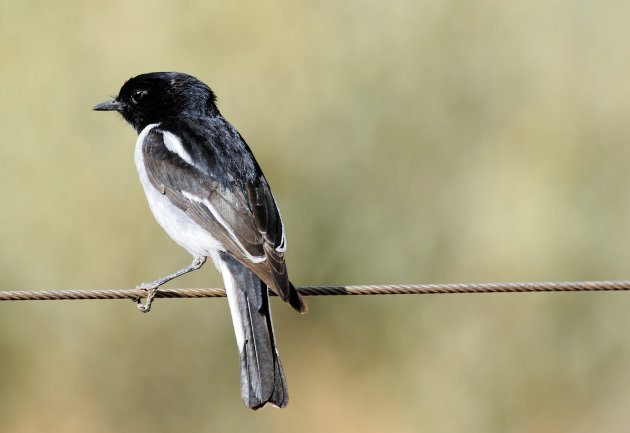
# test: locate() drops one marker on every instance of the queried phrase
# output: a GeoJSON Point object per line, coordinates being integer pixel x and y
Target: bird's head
{"type": "Point", "coordinates": [158, 96]}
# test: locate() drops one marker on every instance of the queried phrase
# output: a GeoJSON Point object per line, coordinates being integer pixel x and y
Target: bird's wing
{"type": "Point", "coordinates": [249, 227]}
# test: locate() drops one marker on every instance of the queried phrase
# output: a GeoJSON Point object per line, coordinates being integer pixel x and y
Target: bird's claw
{"type": "Point", "coordinates": [150, 288]}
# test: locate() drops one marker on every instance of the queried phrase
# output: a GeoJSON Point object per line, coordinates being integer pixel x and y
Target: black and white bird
{"type": "Point", "coordinates": [208, 193]}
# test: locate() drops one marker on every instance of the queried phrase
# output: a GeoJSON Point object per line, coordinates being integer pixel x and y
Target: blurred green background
{"type": "Point", "coordinates": [405, 141]}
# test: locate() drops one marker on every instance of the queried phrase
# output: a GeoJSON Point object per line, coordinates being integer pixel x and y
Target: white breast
{"type": "Point", "coordinates": [179, 226]}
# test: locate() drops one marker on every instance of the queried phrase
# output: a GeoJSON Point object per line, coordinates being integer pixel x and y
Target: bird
{"type": "Point", "coordinates": [207, 191]}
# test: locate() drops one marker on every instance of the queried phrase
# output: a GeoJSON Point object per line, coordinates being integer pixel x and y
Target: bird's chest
{"type": "Point", "coordinates": [177, 224]}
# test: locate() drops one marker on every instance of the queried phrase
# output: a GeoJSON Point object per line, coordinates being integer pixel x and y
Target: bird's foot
{"type": "Point", "coordinates": [150, 288]}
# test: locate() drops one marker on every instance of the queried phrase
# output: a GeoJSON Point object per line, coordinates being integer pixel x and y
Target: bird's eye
{"type": "Point", "coordinates": [136, 95]}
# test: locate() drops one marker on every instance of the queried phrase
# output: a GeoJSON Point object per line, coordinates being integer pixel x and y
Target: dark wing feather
{"type": "Point", "coordinates": [268, 223]}
{"type": "Point", "coordinates": [249, 227]}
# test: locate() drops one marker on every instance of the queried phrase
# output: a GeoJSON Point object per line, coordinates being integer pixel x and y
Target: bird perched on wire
{"type": "Point", "coordinates": [208, 193]}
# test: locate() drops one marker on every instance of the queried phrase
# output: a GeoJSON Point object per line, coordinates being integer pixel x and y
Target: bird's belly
{"type": "Point", "coordinates": [179, 226]}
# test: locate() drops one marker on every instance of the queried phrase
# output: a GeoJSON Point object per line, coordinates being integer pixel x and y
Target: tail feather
{"type": "Point", "coordinates": [262, 377]}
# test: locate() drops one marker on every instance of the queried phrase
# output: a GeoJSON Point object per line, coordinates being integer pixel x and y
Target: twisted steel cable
{"type": "Point", "coordinates": [373, 289]}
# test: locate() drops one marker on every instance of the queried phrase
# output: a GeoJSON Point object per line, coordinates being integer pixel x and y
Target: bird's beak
{"type": "Point", "coordinates": [112, 105]}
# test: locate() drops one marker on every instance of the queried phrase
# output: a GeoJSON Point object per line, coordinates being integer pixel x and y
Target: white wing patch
{"type": "Point", "coordinates": [283, 243]}
{"type": "Point", "coordinates": [226, 226]}
{"type": "Point", "coordinates": [174, 144]}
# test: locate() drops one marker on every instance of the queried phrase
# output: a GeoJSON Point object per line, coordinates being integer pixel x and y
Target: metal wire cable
{"type": "Point", "coordinates": [394, 289]}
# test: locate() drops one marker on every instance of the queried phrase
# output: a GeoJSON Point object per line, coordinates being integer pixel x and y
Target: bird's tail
{"type": "Point", "coordinates": [262, 378]}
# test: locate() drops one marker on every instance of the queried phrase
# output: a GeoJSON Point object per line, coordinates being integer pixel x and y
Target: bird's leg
{"type": "Point", "coordinates": [152, 287]}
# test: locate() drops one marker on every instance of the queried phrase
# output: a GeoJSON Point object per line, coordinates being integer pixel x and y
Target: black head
{"type": "Point", "coordinates": [158, 96]}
